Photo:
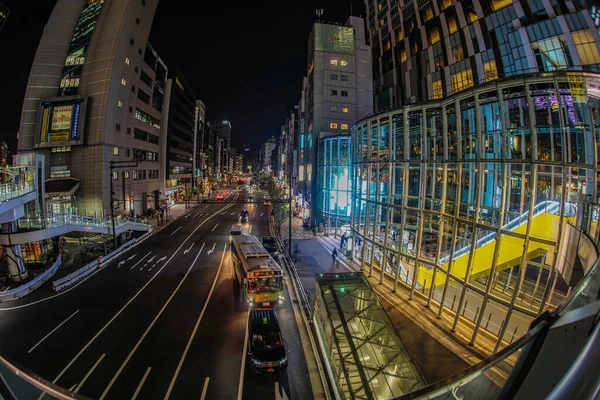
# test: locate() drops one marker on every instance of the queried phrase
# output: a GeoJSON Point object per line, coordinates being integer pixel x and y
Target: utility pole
{"type": "Point", "coordinates": [113, 165]}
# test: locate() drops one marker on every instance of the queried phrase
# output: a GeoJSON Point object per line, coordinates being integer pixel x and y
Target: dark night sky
{"type": "Point", "coordinates": [245, 60]}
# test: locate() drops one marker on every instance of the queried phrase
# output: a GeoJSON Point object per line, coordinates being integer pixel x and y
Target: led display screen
{"type": "Point", "coordinates": [60, 122]}
{"type": "Point", "coordinates": [334, 38]}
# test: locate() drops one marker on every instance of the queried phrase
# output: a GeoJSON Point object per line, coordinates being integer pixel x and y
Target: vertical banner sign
{"type": "Point", "coordinates": [44, 127]}
{"type": "Point", "coordinates": [75, 121]}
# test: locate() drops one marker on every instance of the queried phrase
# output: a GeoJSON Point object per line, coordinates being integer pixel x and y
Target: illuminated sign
{"type": "Point", "coordinates": [178, 82]}
{"type": "Point", "coordinates": [258, 274]}
{"type": "Point", "coordinates": [334, 38]}
{"type": "Point", "coordinates": [60, 122]}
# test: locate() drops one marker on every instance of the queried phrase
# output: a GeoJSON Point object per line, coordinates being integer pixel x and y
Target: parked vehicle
{"type": "Point", "coordinates": [269, 244]}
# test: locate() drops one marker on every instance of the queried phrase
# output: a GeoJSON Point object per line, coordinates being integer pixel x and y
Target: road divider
{"type": "Point", "coordinates": [24, 290]}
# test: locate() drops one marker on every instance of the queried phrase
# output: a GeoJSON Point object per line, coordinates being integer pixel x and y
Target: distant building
{"type": "Point", "coordinates": [101, 101]}
{"type": "Point", "coordinates": [178, 146]}
{"type": "Point", "coordinates": [4, 11]}
{"type": "Point", "coordinates": [267, 156]}
{"type": "Point", "coordinates": [337, 93]}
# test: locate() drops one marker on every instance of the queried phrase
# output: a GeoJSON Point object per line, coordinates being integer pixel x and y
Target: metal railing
{"type": "Point", "coordinates": [9, 191]}
{"type": "Point", "coordinates": [37, 221]}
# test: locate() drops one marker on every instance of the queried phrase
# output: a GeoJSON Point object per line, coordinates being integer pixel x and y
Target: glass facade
{"type": "Point", "coordinates": [364, 355]}
{"type": "Point", "coordinates": [78, 48]}
{"type": "Point", "coordinates": [471, 202]}
{"type": "Point", "coordinates": [334, 179]}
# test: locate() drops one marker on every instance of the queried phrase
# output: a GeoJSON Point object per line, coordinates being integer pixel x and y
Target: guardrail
{"type": "Point", "coordinates": [88, 269]}
{"type": "Point", "coordinates": [38, 221]}
{"type": "Point", "coordinates": [9, 191]}
{"type": "Point", "coordinates": [24, 290]}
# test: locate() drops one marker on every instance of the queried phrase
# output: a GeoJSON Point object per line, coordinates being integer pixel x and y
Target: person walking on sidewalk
{"type": "Point", "coordinates": [334, 255]}
{"type": "Point", "coordinates": [314, 232]}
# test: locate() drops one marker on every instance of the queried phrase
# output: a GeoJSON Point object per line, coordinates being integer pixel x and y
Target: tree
{"type": "Point", "coordinates": [280, 210]}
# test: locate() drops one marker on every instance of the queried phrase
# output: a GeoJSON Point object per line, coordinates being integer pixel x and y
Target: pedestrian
{"type": "Point", "coordinates": [334, 255]}
{"type": "Point", "coordinates": [314, 232]}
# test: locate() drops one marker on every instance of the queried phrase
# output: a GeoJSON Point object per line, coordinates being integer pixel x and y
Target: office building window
{"type": "Point", "coordinates": [116, 151]}
{"type": "Point", "coordinates": [143, 96]}
{"type": "Point", "coordinates": [131, 41]}
{"type": "Point", "coordinates": [120, 104]}
{"type": "Point", "coordinates": [127, 60]}
{"type": "Point", "coordinates": [344, 78]}
{"type": "Point", "coordinates": [124, 82]}
{"type": "Point", "coordinates": [333, 109]}
{"type": "Point", "coordinates": [134, 175]}
{"type": "Point", "coordinates": [436, 89]}
{"type": "Point", "coordinates": [127, 152]}
{"type": "Point", "coordinates": [333, 61]}
{"type": "Point", "coordinates": [333, 92]}
{"type": "Point", "coordinates": [586, 47]}
{"type": "Point", "coordinates": [126, 174]}
{"type": "Point", "coordinates": [490, 71]}
{"type": "Point", "coordinates": [333, 77]}
{"type": "Point", "coordinates": [128, 130]}
{"type": "Point", "coordinates": [345, 110]}
{"type": "Point", "coordinates": [344, 63]}
{"type": "Point", "coordinates": [115, 175]}
{"type": "Point", "coordinates": [118, 127]}
{"type": "Point", "coordinates": [333, 125]}
{"type": "Point", "coordinates": [452, 26]}
{"type": "Point", "coordinates": [133, 88]}
{"type": "Point", "coordinates": [344, 127]}
{"type": "Point", "coordinates": [344, 93]}
{"type": "Point", "coordinates": [130, 110]}
{"type": "Point", "coordinates": [462, 80]}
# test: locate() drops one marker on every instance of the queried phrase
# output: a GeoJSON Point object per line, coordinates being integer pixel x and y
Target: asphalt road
{"type": "Point", "coordinates": [164, 320]}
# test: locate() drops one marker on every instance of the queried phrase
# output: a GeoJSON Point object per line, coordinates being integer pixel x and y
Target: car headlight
{"type": "Point", "coordinates": [256, 362]}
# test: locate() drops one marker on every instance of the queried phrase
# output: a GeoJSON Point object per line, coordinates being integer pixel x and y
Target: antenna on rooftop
{"type": "Point", "coordinates": [319, 14]}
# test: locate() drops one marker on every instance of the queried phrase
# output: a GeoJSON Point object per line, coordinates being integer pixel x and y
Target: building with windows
{"type": "Point", "coordinates": [338, 92]}
{"type": "Point", "coordinates": [222, 129]}
{"type": "Point", "coordinates": [478, 191]}
{"type": "Point", "coordinates": [178, 131]}
{"type": "Point", "coordinates": [4, 11]}
{"type": "Point", "coordinates": [101, 104]}
{"type": "Point", "coordinates": [267, 156]}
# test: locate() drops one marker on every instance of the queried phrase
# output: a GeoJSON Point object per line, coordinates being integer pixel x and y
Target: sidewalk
{"type": "Point", "coordinates": [435, 360]}
{"type": "Point", "coordinates": [298, 232]}
{"type": "Point", "coordinates": [175, 211]}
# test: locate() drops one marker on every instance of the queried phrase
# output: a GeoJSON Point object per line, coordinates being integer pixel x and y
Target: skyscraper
{"type": "Point", "coordinates": [473, 191]}
{"type": "Point", "coordinates": [178, 146]}
{"type": "Point", "coordinates": [100, 102]}
{"type": "Point", "coordinates": [338, 92]}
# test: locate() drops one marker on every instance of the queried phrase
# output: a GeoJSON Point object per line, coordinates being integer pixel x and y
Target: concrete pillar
{"type": "Point", "coordinates": [16, 268]}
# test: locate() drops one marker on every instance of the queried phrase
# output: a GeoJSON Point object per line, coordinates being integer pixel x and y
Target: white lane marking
{"type": "Point", "coordinates": [189, 343]}
{"type": "Point", "coordinates": [137, 391]}
{"type": "Point", "coordinates": [52, 331]}
{"type": "Point", "coordinates": [211, 250]}
{"type": "Point", "coordinates": [85, 378]}
{"type": "Point", "coordinates": [125, 306]}
{"type": "Point", "coordinates": [223, 213]}
{"type": "Point", "coordinates": [254, 215]}
{"type": "Point", "coordinates": [213, 229]}
{"type": "Point", "coordinates": [132, 352]}
{"type": "Point", "coordinates": [250, 230]}
{"type": "Point", "coordinates": [261, 214]}
{"type": "Point", "coordinates": [279, 393]}
{"type": "Point", "coordinates": [175, 231]}
{"type": "Point", "coordinates": [205, 388]}
{"type": "Point", "coordinates": [195, 215]}
{"type": "Point", "coordinates": [132, 257]}
{"type": "Point", "coordinates": [136, 264]}
{"type": "Point", "coordinates": [243, 367]}
{"type": "Point", "coordinates": [188, 250]}
{"type": "Point", "coordinates": [121, 263]}
{"type": "Point", "coordinates": [189, 215]}
{"type": "Point", "coordinates": [233, 213]}
{"type": "Point", "coordinates": [206, 206]}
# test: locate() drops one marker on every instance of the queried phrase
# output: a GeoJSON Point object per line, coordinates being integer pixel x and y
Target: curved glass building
{"type": "Point", "coordinates": [478, 189]}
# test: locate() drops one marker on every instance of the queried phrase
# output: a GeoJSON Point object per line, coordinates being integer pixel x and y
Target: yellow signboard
{"type": "Point", "coordinates": [61, 118]}
{"type": "Point", "coordinates": [44, 130]}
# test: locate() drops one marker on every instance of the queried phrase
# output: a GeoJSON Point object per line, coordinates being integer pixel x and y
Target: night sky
{"type": "Point", "coordinates": [245, 60]}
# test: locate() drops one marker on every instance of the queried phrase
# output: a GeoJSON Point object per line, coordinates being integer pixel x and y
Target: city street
{"type": "Point", "coordinates": [165, 319]}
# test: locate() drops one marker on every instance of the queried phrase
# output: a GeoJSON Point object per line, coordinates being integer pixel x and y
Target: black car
{"type": "Point", "coordinates": [266, 351]}
{"type": "Point", "coordinates": [269, 244]}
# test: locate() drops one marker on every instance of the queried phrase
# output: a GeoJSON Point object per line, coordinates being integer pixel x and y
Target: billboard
{"type": "Point", "coordinates": [334, 38]}
{"type": "Point", "coordinates": [61, 122]}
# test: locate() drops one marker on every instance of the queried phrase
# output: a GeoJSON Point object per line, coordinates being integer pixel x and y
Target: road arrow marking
{"type": "Point", "coordinates": [121, 264]}
{"type": "Point", "coordinates": [211, 250]}
{"type": "Point", "coordinates": [188, 250]}
{"type": "Point", "coordinates": [135, 265]}
{"type": "Point", "coordinates": [132, 257]}
{"type": "Point", "coordinates": [233, 213]}
{"type": "Point", "coordinates": [152, 259]}
{"type": "Point", "coordinates": [223, 213]}
{"type": "Point", "coordinates": [162, 259]}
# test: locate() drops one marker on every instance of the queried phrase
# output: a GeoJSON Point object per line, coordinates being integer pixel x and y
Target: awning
{"type": "Point", "coordinates": [61, 186]}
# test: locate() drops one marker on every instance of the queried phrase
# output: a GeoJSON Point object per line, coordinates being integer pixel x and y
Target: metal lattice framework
{"type": "Point", "coordinates": [365, 356]}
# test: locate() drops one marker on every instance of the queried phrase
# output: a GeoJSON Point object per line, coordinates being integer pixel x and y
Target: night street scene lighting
{"type": "Point", "coordinates": [374, 199]}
